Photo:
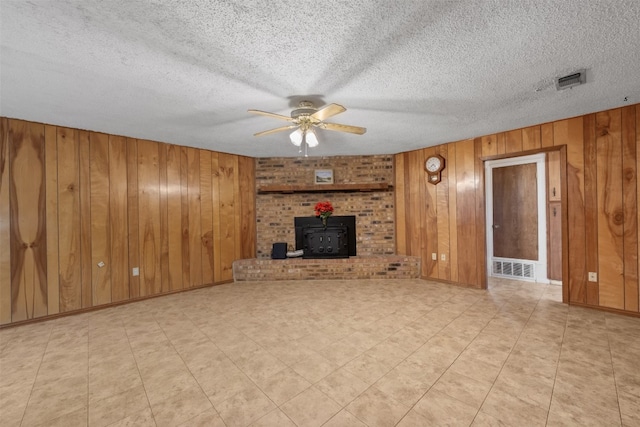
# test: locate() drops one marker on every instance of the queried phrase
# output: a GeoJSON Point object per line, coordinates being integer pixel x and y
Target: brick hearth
{"type": "Point", "coordinates": [358, 267]}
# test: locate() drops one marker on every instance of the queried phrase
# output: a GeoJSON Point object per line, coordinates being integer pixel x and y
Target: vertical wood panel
{"type": "Point", "coordinates": [149, 213]}
{"type": "Point", "coordinates": [400, 202]}
{"type": "Point", "coordinates": [554, 241]}
{"type": "Point", "coordinates": [637, 107]}
{"type": "Point", "coordinates": [247, 178]}
{"type": "Point", "coordinates": [578, 275]}
{"type": "Point", "coordinates": [531, 138]}
{"type": "Point", "coordinates": [174, 214]}
{"type": "Point", "coordinates": [206, 217]}
{"type": "Point", "coordinates": [27, 198]}
{"type": "Point", "coordinates": [237, 209]}
{"type": "Point", "coordinates": [513, 141]}
{"type": "Point", "coordinates": [133, 216]}
{"type": "Point", "coordinates": [610, 210]}
{"type": "Point", "coordinates": [546, 135]}
{"type": "Point", "coordinates": [416, 204]}
{"type": "Point", "coordinates": [118, 215]}
{"type": "Point", "coordinates": [489, 145]}
{"type": "Point", "coordinates": [570, 132]}
{"type": "Point", "coordinates": [215, 192]}
{"type": "Point", "coordinates": [227, 215]}
{"type": "Point", "coordinates": [184, 200]}
{"type": "Point", "coordinates": [430, 236]}
{"type": "Point", "coordinates": [481, 238]}
{"type": "Point", "coordinates": [51, 170]}
{"type": "Point", "coordinates": [630, 206]}
{"type": "Point", "coordinates": [442, 217]}
{"type": "Point", "coordinates": [501, 143]}
{"type": "Point", "coordinates": [100, 224]}
{"type": "Point", "coordinates": [5, 226]}
{"type": "Point", "coordinates": [466, 212]}
{"type": "Point", "coordinates": [86, 262]}
{"type": "Point", "coordinates": [453, 211]}
{"type": "Point", "coordinates": [195, 242]}
{"type": "Point", "coordinates": [164, 219]}
{"type": "Point", "coordinates": [69, 220]}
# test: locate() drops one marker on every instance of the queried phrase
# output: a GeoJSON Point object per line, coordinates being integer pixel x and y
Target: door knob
{"type": "Point", "coordinates": [496, 226]}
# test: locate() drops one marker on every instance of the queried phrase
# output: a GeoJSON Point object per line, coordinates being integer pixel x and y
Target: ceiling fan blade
{"type": "Point", "coordinates": [274, 115]}
{"type": "Point", "coordinates": [328, 111]}
{"type": "Point", "coordinates": [343, 128]}
{"type": "Point", "coordinates": [280, 129]}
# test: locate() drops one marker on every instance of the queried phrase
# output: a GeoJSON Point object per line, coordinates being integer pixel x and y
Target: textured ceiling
{"type": "Point", "coordinates": [414, 73]}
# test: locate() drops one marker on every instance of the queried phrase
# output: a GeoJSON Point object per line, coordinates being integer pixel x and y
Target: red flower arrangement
{"type": "Point", "coordinates": [324, 211]}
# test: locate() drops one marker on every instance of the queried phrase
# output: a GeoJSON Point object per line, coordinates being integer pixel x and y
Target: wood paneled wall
{"type": "Point", "coordinates": [601, 203]}
{"type": "Point", "coordinates": [80, 209]}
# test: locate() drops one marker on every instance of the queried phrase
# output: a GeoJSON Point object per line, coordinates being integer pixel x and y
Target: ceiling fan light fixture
{"type": "Point", "coordinates": [312, 140]}
{"type": "Point", "coordinates": [296, 137]}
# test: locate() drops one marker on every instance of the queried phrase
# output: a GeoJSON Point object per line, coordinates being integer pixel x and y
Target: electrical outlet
{"type": "Point", "coordinates": [593, 277]}
{"type": "Point", "coordinates": [135, 271]}
{"type": "Point", "coordinates": [443, 257]}
{"type": "Point", "coordinates": [434, 256]}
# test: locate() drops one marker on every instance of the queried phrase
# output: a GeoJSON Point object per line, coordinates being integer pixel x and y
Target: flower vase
{"type": "Point", "coordinates": [324, 221]}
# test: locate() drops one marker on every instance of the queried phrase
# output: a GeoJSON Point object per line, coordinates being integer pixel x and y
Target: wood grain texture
{"type": "Point", "coordinates": [118, 218]}
{"type": "Point", "coordinates": [589, 224]}
{"type": "Point", "coordinates": [86, 261]}
{"type": "Point", "coordinates": [215, 200]}
{"type": "Point", "coordinates": [5, 225]}
{"type": "Point", "coordinates": [466, 212]}
{"type": "Point", "coordinates": [164, 219]}
{"type": "Point", "coordinates": [195, 241]}
{"type": "Point", "coordinates": [546, 135]}
{"type": "Point", "coordinates": [513, 141]}
{"type": "Point", "coordinates": [149, 214]}
{"type": "Point", "coordinates": [501, 143]}
{"type": "Point", "coordinates": [227, 215]}
{"type": "Point", "coordinates": [489, 145]}
{"type": "Point", "coordinates": [553, 176]}
{"type": "Point", "coordinates": [452, 211]}
{"type": "Point", "coordinates": [610, 210]}
{"type": "Point", "coordinates": [28, 242]}
{"type": "Point", "coordinates": [630, 207]}
{"type": "Point", "coordinates": [247, 180]}
{"type": "Point", "coordinates": [481, 236]}
{"type": "Point", "coordinates": [69, 220]}
{"type": "Point", "coordinates": [637, 107]}
{"type": "Point", "coordinates": [133, 216]}
{"type": "Point", "coordinates": [400, 203]}
{"type": "Point", "coordinates": [555, 241]}
{"type": "Point", "coordinates": [184, 200]}
{"type": "Point", "coordinates": [515, 211]}
{"type": "Point", "coordinates": [100, 223]}
{"type": "Point", "coordinates": [531, 138]}
{"type": "Point", "coordinates": [417, 202]}
{"type": "Point", "coordinates": [206, 217]}
{"type": "Point", "coordinates": [442, 218]}
{"type": "Point", "coordinates": [51, 181]}
{"type": "Point", "coordinates": [570, 132]}
{"type": "Point", "coordinates": [174, 215]}
{"type": "Point", "coordinates": [430, 236]}
{"type": "Point", "coordinates": [237, 210]}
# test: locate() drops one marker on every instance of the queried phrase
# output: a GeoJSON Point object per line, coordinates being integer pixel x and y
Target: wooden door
{"type": "Point", "coordinates": [515, 212]}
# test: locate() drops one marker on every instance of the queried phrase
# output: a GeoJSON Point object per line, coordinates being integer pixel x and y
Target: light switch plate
{"type": "Point", "coordinates": [135, 271]}
{"type": "Point", "coordinates": [593, 277]}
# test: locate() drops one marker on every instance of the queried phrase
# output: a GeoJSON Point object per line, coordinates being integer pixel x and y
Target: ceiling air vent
{"type": "Point", "coordinates": [574, 79]}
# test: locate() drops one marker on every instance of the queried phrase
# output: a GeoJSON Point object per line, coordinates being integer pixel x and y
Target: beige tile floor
{"type": "Point", "coordinates": [331, 353]}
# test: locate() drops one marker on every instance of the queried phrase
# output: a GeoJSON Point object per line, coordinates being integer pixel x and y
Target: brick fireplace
{"type": "Point", "coordinates": [374, 210]}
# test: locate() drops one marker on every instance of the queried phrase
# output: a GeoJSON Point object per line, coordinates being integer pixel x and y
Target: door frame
{"type": "Point", "coordinates": [541, 272]}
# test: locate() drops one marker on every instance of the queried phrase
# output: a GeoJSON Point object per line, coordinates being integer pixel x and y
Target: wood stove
{"type": "Point", "coordinates": [336, 240]}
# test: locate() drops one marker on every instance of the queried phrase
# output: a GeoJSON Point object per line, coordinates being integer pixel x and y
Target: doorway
{"type": "Point", "coordinates": [516, 218]}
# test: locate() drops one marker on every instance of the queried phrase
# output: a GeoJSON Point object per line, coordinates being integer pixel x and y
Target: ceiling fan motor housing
{"type": "Point", "coordinates": [305, 108]}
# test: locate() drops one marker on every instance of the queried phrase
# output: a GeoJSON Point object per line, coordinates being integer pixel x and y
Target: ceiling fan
{"type": "Point", "coordinates": [305, 118]}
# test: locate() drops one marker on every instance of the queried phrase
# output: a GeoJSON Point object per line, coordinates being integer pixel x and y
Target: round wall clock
{"type": "Point", "coordinates": [434, 166]}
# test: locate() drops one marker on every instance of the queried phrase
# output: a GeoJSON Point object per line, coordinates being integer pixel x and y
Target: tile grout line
{"type": "Point", "coordinates": [35, 377]}
{"type": "Point", "coordinates": [613, 369]}
{"type": "Point", "coordinates": [555, 377]}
